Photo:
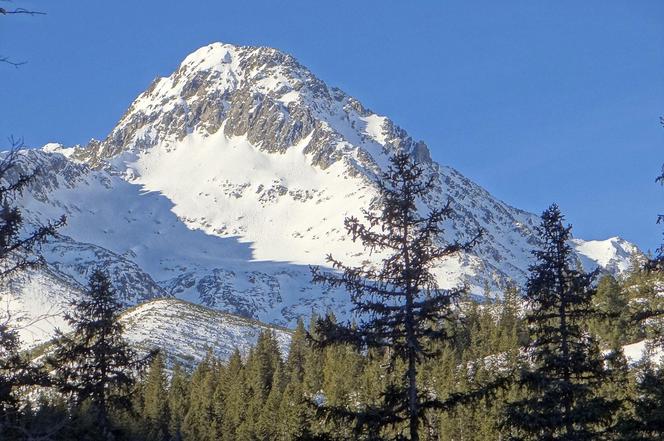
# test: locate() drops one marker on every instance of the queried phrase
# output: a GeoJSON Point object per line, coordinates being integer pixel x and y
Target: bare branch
{"type": "Point", "coordinates": [24, 11]}
{"type": "Point", "coordinates": [16, 64]}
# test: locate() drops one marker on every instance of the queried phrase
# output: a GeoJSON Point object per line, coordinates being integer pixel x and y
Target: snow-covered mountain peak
{"type": "Point", "coordinates": [259, 93]}
{"type": "Point", "coordinates": [245, 142]}
{"type": "Point", "coordinates": [224, 180]}
{"type": "Point", "coordinates": [614, 254]}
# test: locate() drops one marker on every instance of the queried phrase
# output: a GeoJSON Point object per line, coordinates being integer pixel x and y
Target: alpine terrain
{"type": "Point", "coordinates": [222, 183]}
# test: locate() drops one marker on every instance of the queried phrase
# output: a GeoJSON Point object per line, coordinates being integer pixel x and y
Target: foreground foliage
{"type": "Point", "coordinates": [401, 310]}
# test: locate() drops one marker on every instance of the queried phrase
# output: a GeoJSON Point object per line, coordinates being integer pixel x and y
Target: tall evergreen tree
{"type": "Point", "coordinates": [620, 387]}
{"type": "Point", "coordinates": [155, 412]}
{"type": "Point", "coordinates": [16, 371]}
{"type": "Point", "coordinates": [178, 402]}
{"type": "Point", "coordinates": [398, 303]}
{"type": "Point", "coordinates": [262, 364]}
{"type": "Point", "coordinates": [566, 369]}
{"type": "Point", "coordinates": [294, 415]}
{"type": "Point", "coordinates": [297, 354]}
{"type": "Point", "coordinates": [197, 424]}
{"type": "Point", "coordinates": [267, 429]}
{"type": "Point", "coordinates": [648, 423]}
{"type": "Point", "coordinates": [236, 395]}
{"type": "Point", "coordinates": [94, 363]}
{"type": "Point", "coordinates": [613, 323]}
{"type": "Point", "coordinates": [313, 362]}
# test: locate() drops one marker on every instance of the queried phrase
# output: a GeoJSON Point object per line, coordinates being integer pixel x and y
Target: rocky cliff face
{"type": "Point", "coordinates": [225, 180]}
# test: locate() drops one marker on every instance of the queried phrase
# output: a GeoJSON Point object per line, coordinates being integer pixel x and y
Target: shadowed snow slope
{"type": "Point", "coordinates": [225, 180]}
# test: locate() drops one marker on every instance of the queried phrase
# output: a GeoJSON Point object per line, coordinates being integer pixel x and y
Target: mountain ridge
{"type": "Point", "coordinates": [223, 181]}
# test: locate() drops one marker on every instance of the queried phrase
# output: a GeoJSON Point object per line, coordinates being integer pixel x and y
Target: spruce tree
{"type": "Point", "coordinates": [297, 353]}
{"type": "Point", "coordinates": [178, 402]}
{"type": "Point", "coordinates": [398, 303]}
{"type": "Point", "coordinates": [613, 325]}
{"type": "Point", "coordinates": [620, 386]}
{"type": "Point", "coordinates": [93, 363]}
{"type": "Point", "coordinates": [155, 410]}
{"type": "Point", "coordinates": [262, 364]}
{"type": "Point", "coordinates": [264, 378]}
{"type": "Point", "coordinates": [198, 422]}
{"type": "Point", "coordinates": [15, 371]}
{"type": "Point", "coordinates": [313, 363]}
{"type": "Point", "coordinates": [223, 401]}
{"type": "Point", "coordinates": [566, 369]}
{"type": "Point", "coordinates": [648, 423]}
{"type": "Point", "coordinates": [342, 375]}
{"type": "Point", "coordinates": [294, 413]}
{"type": "Point", "coordinates": [267, 426]}
{"type": "Point", "coordinates": [237, 396]}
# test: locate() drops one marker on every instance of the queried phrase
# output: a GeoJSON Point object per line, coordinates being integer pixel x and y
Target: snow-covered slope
{"type": "Point", "coordinates": [225, 180]}
{"type": "Point", "coordinates": [614, 254]}
{"type": "Point", "coordinates": [185, 332]}
{"type": "Point", "coordinates": [34, 301]}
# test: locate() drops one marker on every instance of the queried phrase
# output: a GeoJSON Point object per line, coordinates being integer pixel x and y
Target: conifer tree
{"type": "Point", "coordinates": [15, 371]}
{"type": "Point", "coordinates": [620, 386]}
{"type": "Point", "coordinates": [294, 414]}
{"type": "Point", "coordinates": [342, 375]}
{"type": "Point", "coordinates": [267, 429]}
{"type": "Point", "coordinates": [178, 402]}
{"type": "Point", "coordinates": [263, 363]}
{"type": "Point", "coordinates": [566, 369]}
{"type": "Point", "coordinates": [197, 423]}
{"type": "Point", "coordinates": [613, 323]}
{"type": "Point", "coordinates": [648, 423]}
{"type": "Point", "coordinates": [313, 363]}
{"type": "Point", "coordinates": [264, 371]}
{"type": "Point", "coordinates": [297, 353]}
{"type": "Point", "coordinates": [155, 401]}
{"type": "Point", "coordinates": [94, 364]}
{"type": "Point", "coordinates": [398, 303]}
{"type": "Point", "coordinates": [230, 398]}
{"type": "Point", "coordinates": [237, 409]}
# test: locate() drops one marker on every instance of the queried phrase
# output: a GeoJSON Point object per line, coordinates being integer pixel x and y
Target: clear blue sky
{"type": "Point", "coordinates": [536, 100]}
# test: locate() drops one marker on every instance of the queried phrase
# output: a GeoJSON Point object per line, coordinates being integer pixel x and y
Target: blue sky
{"type": "Point", "coordinates": [537, 101]}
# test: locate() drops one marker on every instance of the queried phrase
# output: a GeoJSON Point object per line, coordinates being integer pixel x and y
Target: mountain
{"type": "Point", "coordinates": [224, 181]}
{"type": "Point", "coordinates": [185, 332]}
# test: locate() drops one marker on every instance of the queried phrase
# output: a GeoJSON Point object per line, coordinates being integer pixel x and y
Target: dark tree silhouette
{"type": "Point", "coordinates": [16, 371]}
{"type": "Point", "coordinates": [398, 304]}
{"type": "Point", "coordinates": [566, 369]}
{"type": "Point", "coordinates": [94, 363]}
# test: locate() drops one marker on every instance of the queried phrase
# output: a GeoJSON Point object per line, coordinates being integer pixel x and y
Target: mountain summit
{"type": "Point", "coordinates": [225, 180]}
